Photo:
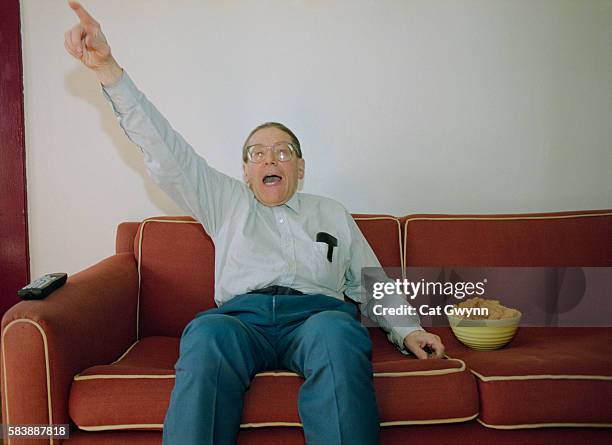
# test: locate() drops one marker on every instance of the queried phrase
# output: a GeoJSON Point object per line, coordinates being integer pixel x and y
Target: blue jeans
{"type": "Point", "coordinates": [315, 336]}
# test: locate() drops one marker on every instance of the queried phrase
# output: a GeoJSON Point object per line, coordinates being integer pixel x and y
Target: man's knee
{"type": "Point", "coordinates": [215, 348]}
{"type": "Point", "coordinates": [336, 328]}
{"type": "Point", "coordinates": [211, 334]}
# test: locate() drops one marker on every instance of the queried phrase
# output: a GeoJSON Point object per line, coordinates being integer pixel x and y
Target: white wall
{"type": "Point", "coordinates": [401, 106]}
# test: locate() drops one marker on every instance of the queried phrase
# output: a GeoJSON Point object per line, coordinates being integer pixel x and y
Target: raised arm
{"type": "Point", "coordinates": [207, 194]}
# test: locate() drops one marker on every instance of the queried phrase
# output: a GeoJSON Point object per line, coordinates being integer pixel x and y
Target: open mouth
{"type": "Point", "coordinates": [272, 179]}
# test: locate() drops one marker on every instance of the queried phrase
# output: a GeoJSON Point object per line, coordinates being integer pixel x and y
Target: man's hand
{"type": "Point", "coordinates": [417, 340]}
{"type": "Point", "coordinates": [86, 42]}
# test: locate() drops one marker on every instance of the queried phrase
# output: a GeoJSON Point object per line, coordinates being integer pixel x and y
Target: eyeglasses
{"type": "Point", "coordinates": [282, 151]}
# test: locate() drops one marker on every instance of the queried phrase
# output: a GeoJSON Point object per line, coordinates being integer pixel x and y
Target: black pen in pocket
{"type": "Point", "coordinates": [330, 240]}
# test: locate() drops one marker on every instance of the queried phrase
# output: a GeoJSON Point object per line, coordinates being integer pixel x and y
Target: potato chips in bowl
{"type": "Point", "coordinates": [489, 327]}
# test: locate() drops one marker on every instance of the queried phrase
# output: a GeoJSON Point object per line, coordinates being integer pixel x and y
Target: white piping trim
{"type": "Point", "coordinates": [47, 371]}
{"type": "Point", "coordinates": [500, 218]}
{"type": "Point", "coordinates": [277, 374]}
{"type": "Point", "coordinates": [280, 424]}
{"type": "Point", "coordinates": [129, 426]}
{"type": "Point", "coordinates": [382, 424]}
{"type": "Point", "coordinates": [429, 421]}
{"type": "Point", "coordinates": [265, 424]}
{"type": "Point", "coordinates": [540, 377]}
{"type": "Point", "coordinates": [126, 352]}
{"type": "Point", "coordinates": [424, 373]}
{"type": "Point", "coordinates": [545, 425]}
{"type": "Point", "coordinates": [79, 377]}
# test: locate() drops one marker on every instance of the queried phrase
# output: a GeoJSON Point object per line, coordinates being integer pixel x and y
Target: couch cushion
{"type": "Point", "coordinates": [134, 391]}
{"type": "Point", "coordinates": [539, 239]}
{"type": "Point", "coordinates": [176, 271]}
{"type": "Point", "coordinates": [384, 234]}
{"type": "Point", "coordinates": [552, 376]}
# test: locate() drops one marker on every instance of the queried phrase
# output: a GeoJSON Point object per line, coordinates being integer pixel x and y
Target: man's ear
{"type": "Point", "coordinates": [245, 175]}
{"type": "Point", "coordinates": [301, 168]}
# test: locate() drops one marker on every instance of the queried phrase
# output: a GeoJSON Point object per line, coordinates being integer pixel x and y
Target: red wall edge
{"type": "Point", "coordinates": [14, 255]}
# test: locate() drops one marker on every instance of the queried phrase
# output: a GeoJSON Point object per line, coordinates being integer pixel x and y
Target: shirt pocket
{"type": "Point", "coordinates": [324, 272]}
{"type": "Point", "coordinates": [322, 252]}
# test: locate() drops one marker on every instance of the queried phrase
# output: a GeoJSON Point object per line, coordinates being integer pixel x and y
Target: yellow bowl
{"type": "Point", "coordinates": [484, 335]}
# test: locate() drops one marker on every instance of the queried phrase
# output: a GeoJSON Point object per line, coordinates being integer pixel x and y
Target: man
{"type": "Point", "coordinates": [283, 262]}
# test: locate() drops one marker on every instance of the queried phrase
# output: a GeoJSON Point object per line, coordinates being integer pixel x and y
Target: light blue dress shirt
{"type": "Point", "coordinates": [255, 245]}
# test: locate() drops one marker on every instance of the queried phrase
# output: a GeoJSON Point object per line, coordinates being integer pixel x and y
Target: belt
{"type": "Point", "coordinates": [276, 290]}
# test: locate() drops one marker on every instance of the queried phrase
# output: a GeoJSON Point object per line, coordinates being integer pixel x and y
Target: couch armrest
{"type": "Point", "coordinates": [90, 320]}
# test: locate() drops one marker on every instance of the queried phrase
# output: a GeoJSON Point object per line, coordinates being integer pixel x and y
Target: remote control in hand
{"type": "Point", "coordinates": [43, 286]}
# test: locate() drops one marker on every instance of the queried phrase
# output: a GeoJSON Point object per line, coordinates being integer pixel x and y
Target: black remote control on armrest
{"type": "Point", "coordinates": [43, 286]}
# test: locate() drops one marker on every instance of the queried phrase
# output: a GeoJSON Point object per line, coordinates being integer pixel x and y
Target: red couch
{"type": "Point", "coordinates": [99, 353]}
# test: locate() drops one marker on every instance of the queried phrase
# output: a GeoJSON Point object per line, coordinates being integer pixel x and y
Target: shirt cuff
{"type": "Point", "coordinates": [123, 94]}
{"type": "Point", "coordinates": [398, 334]}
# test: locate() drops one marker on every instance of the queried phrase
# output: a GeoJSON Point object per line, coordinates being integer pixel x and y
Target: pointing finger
{"type": "Point", "coordinates": [83, 15]}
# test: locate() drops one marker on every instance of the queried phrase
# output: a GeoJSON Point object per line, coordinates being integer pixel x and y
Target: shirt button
{"type": "Point", "coordinates": [281, 220]}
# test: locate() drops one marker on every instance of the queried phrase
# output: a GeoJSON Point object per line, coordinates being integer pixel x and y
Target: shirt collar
{"type": "Point", "coordinates": [294, 203]}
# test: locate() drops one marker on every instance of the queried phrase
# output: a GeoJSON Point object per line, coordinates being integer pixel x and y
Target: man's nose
{"type": "Point", "coordinates": [269, 157]}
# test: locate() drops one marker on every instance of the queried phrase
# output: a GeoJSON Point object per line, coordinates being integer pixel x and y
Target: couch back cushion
{"type": "Point", "coordinates": [176, 267]}
{"type": "Point", "coordinates": [582, 238]}
{"type": "Point", "coordinates": [383, 233]}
